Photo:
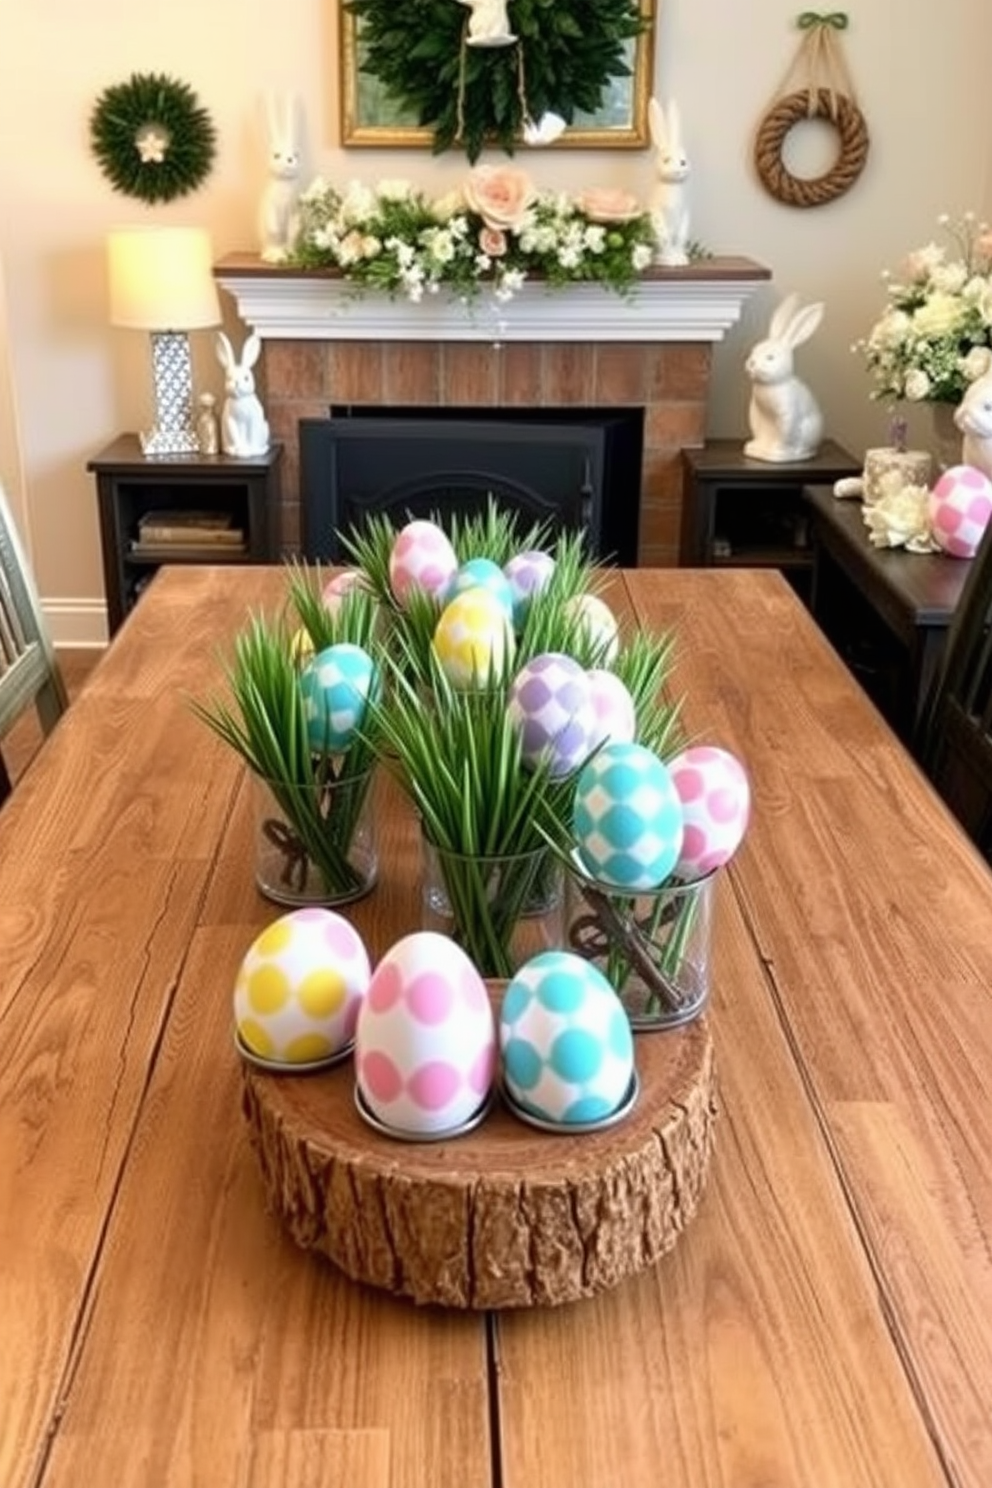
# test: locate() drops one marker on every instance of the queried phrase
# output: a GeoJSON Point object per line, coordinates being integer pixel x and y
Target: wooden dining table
{"type": "Point", "coordinates": [825, 1320]}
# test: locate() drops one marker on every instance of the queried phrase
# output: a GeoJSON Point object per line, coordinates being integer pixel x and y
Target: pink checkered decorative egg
{"type": "Point", "coordinates": [422, 558]}
{"type": "Point", "coordinates": [425, 1045]}
{"type": "Point", "coordinates": [960, 507]}
{"type": "Point", "coordinates": [613, 706]}
{"type": "Point", "coordinates": [340, 586]}
{"type": "Point", "coordinates": [716, 806]}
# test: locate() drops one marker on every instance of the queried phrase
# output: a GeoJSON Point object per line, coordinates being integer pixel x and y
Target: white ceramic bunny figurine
{"type": "Point", "coordinates": [277, 224]}
{"type": "Point", "coordinates": [669, 205]}
{"type": "Point", "coordinates": [785, 418]}
{"type": "Point", "coordinates": [973, 417]}
{"type": "Point", "coordinates": [244, 429]}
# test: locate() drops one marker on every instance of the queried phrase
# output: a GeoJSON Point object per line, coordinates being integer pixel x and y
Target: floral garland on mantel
{"type": "Point", "coordinates": [493, 233]}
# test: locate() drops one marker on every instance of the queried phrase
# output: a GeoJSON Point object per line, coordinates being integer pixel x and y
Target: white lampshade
{"type": "Point", "coordinates": [161, 279]}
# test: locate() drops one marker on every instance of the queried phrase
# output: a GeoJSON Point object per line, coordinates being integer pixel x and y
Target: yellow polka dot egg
{"type": "Point", "coordinates": [300, 987]}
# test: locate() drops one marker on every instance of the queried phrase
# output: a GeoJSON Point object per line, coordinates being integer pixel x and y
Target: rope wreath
{"type": "Point", "coordinates": [828, 95]}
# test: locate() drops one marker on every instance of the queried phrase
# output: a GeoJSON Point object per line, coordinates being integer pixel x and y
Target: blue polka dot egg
{"type": "Point", "coordinates": [336, 685]}
{"type": "Point", "coordinates": [628, 819]}
{"type": "Point", "coordinates": [565, 1040]}
{"type": "Point", "coordinates": [482, 573]}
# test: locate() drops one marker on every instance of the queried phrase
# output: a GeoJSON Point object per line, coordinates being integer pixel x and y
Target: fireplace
{"type": "Point", "coordinates": [580, 348]}
{"type": "Point", "coordinates": [563, 468]}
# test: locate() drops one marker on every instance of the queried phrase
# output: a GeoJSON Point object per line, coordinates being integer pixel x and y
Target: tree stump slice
{"type": "Point", "coordinates": [505, 1216]}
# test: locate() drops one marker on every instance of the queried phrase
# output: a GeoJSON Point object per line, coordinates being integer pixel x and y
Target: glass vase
{"type": "Point", "coordinates": [653, 947]}
{"type": "Point", "coordinates": [500, 910]}
{"type": "Point", "coordinates": [315, 843]}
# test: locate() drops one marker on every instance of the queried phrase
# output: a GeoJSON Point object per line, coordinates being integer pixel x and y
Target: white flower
{"type": "Point", "coordinates": [594, 238]}
{"type": "Point", "coordinates": [939, 316]}
{"type": "Point", "coordinates": [394, 191]}
{"type": "Point", "coordinates": [440, 246]}
{"type": "Point", "coordinates": [641, 256]}
{"type": "Point", "coordinates": [358, 203]}
{"type": "Point", "coordinates": [917, 385]}
{"type": "Point", "coordinates": [569, 257]}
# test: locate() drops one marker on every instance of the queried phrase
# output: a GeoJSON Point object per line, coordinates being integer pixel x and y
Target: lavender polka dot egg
{"type": "Point", "coordinates": [565, 1040]}
{"type": "Point", "coordinates": [550, 703]}
{"type": "Point", "coordinates": [960, 506]}
{"type": "Point", "coordinates": [300, 987]}
{"type": "Point", "coordinates": [425, 1044]}
{"type": "Point", "coordinates": [422, 558]}
{"type": "Point", "coordinates": [336, 686]}
{"type": "Point", "coordinates": [527, 574]}
{"type": "Point", "coordinates": [627, 818]}
{"type": "Point", "coordinates": [716, 805]}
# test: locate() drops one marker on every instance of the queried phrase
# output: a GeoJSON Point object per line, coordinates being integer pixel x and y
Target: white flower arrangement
{"type": "Point", "coordinates": [495, 232]}
{"type": "Point", "coordinates": [935, 335]}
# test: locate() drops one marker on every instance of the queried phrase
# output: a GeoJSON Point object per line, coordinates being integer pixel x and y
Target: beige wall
{"type": "Point", "coordinates": [921, 71]}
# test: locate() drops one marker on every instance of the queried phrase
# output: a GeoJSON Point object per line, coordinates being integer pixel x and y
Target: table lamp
{"type": "Point", "coordinates": [161, 281]}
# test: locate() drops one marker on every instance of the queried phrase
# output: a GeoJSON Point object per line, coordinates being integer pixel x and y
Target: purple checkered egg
{"type": "Point", "coordinates": [550, 702]}
{"type": "Point", "coordinates": [613, 705]}
{"type": "Point", "coordinates": [527, 573]}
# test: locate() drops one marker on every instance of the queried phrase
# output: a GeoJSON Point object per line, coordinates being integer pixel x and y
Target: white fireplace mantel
{"type": "Point", "coordinates": [698, 303]}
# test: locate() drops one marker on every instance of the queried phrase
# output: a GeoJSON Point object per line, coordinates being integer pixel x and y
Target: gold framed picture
{"type": "Point", "coordinates": [372, 118]}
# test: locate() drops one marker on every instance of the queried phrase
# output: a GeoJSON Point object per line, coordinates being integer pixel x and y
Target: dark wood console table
{"type": "Point", "coordinates": [885, 610]}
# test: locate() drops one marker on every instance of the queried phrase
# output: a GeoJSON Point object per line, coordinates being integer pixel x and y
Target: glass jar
{"type": "Point", "coordinates": [315, 844]}
{"type": "Point", "coordinates": [500, 910]}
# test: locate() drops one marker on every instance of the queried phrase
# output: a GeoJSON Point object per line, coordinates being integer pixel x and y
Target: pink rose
{"type": "Point", "coordinates": [609, 204]}
{"type": "Point", "coordinates": [492, 240]}
{"type": "Point", "coordinates": [501, 194]}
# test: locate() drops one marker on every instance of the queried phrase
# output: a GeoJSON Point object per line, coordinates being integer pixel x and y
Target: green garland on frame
{"type": "Point", "coordinates": [564, 57]}
{"type": "Point", "coordinates": [151, 137]}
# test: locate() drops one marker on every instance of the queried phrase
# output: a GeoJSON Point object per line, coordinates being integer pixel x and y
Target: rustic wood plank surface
{"type": "Point", "coordinates": [826, 1320]}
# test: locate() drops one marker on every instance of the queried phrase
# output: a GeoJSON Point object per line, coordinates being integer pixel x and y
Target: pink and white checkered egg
{"type": "Point", "coordinates": [336, 590]}
{"type": "Point", "coordinates": [716, 806]}
{"type": "Point", "coordinates": [422, 558]}
{"type": "Point", "coordinates": [960, 507]}
{"type": "Point", "coordinates": [425, 1045]}
{"type": "Point", "coordinates": [616, 717]}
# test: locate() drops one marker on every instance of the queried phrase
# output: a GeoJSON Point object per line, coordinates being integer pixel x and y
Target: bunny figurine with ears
{"type": "Point", "coordinates": [668, 204]}
{"type": "Point", "coordinates": [277, 216]}
{"type": "Point", "coordinates": [785, 418]}
{"type": "Point", "coordinates": [244, 429]}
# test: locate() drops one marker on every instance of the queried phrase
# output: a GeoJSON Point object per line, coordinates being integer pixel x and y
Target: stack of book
{"type": "Point", "coordinates": [175, 534]}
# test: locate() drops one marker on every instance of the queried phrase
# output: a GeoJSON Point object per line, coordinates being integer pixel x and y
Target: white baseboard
{"type": "Point", "coordinates": [76, 622]}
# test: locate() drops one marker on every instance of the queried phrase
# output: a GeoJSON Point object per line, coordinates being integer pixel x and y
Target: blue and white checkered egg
{"type": "Point", "coordinates": [482, 573]}
{"type": "Point", "coordinates": [336, 685]}
{"type": "Point", "coordinates": [527, 574]}
{"type": "Point", "coordinates": [628, 820]}
{"type": "Point", "coordinates": [550, 702]}
{"type": "Point", "coordinates": [565, 1040]}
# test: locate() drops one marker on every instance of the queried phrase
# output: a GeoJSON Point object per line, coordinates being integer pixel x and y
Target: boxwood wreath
{"type": "Point", "coordinates": [152, 138]}
{"type": "Point", "coordinates": [563, 59]}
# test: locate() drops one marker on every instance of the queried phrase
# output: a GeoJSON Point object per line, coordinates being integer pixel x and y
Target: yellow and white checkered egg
{"type": "Point", "coordinates": [473, 639]}
{"type": "Point", "coordinates": [300, 986]}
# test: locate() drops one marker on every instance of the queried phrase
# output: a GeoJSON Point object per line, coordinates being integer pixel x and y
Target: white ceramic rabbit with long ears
{"type": "Point", "coordinates": [669, 204]}
{"type": "Point", "coordinates": [973, 416]}
{"type": "Point", "coordinates": [785, 418]}
{"type": "Point", "coordinates": [277, 215]}
{"type": "Point", "coordinates": [244, 429]}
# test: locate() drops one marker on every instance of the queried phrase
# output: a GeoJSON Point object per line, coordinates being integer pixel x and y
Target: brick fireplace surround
{"type": "Point", "coordinates": [566, 348]}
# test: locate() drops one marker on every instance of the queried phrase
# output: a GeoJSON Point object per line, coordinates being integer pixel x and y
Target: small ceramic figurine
{"type": "Point", "coordinates": [973, 417]}
{"type": "Point", "coordinates": [277, 216]}
{"type": "Point", "coordinates": [207, 433]}
{"type": "Point", "coordinates": [244, 427]}
{"type": "Point", "coordinates": [488, 25]}
{"type": "Point", "coordinates": [669, 205]}
{"type": "Point", "coordinates": [785, 418]}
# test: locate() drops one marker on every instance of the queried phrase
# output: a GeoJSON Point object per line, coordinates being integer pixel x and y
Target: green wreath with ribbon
{"type": "Point", "coordinates": [151, 137]}
{"type": "Point", "coordinates": [562, 58]}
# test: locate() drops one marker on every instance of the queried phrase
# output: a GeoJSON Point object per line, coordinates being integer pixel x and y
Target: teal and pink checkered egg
{"type": "Point", "coordinates": [425, 1044]}
{"type": "Point", "coordinates": [482, 573]}
{"type": "Point", "coordinates": [565, 1040]}
{"type": "Point", "coordinates": [960, 506]}
{"type": "Point", "coordinates": [596, 625]}
{"type": "Point", "coordinates": [627, 821]}
{"type": "Point", "coordinates": [527, 574]}
{"type": "Point", "coordinates": [616, 716]}
{"type": "Point", "coordinates": [550, 704]}
{"type": "Point", "coordinates": [336, 686]}
{"type": "Point", "coordinates": [300, 986]}
{"type": "Point", "coordinates": [716, 805]}
{"type": "Point", "coordinates": [422, 558]}
{"type": "Point", "coordinates": [473, 639]}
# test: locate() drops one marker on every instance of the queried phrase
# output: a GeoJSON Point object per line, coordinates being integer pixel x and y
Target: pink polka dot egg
{"type": "Point", "coordinates": [299, 989]}
{"type": "Point", "coordinates": [422, 558]}
{"type": "Point", "coordinates": [425, 1044]}
{"type": "Point", "coordinates": [716, 805]}
{"type": "Point", "coordinates": [960, 506]}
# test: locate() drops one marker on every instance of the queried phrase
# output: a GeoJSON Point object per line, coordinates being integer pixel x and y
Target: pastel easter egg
{"type": "Point", "coordinates": [627, 820]}
{"type": "Point", "coordinates": [336, 687]}
{"type": "Point", "coordinates": [960, 506]}
{"type": "Point", "coordinates": [716, 805]}
{"type": "Point", "coordinates": [301, 647]}
{"type": "Point", "coordinates": [527, 574]}
{"type": "Point", "coordinates": [597, 626]}
{"type": "Point", "coordinates": [565, 1040]}
{"type": "Point", "coordinates": [473, 639]}
{"type": "Point", "coordinates": [550, 703]}
{"type": "Point", "coordinates": [423, 559]}
{"type": "Point", "coordinates": [425, 1043]}
{"type": "Point", "coordinates": [616, 716]}
{"type": "Point", "coordinates": [482, 573]}
{"type": "Point", "coordinates": [300, 986]}
{"type": "Point", "coordinates": [337, 588]}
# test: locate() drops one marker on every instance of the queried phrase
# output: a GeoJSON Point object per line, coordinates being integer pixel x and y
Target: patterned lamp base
{"type": "Point", "coordinates": [174, 432]}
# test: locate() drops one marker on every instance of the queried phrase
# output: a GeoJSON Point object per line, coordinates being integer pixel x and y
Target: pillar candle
{"type": "Point", "coordinates": [912, 466]}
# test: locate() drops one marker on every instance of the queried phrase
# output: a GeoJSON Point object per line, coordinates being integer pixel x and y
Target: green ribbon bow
{"type": "Point", "coordinates": [835, 18]}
